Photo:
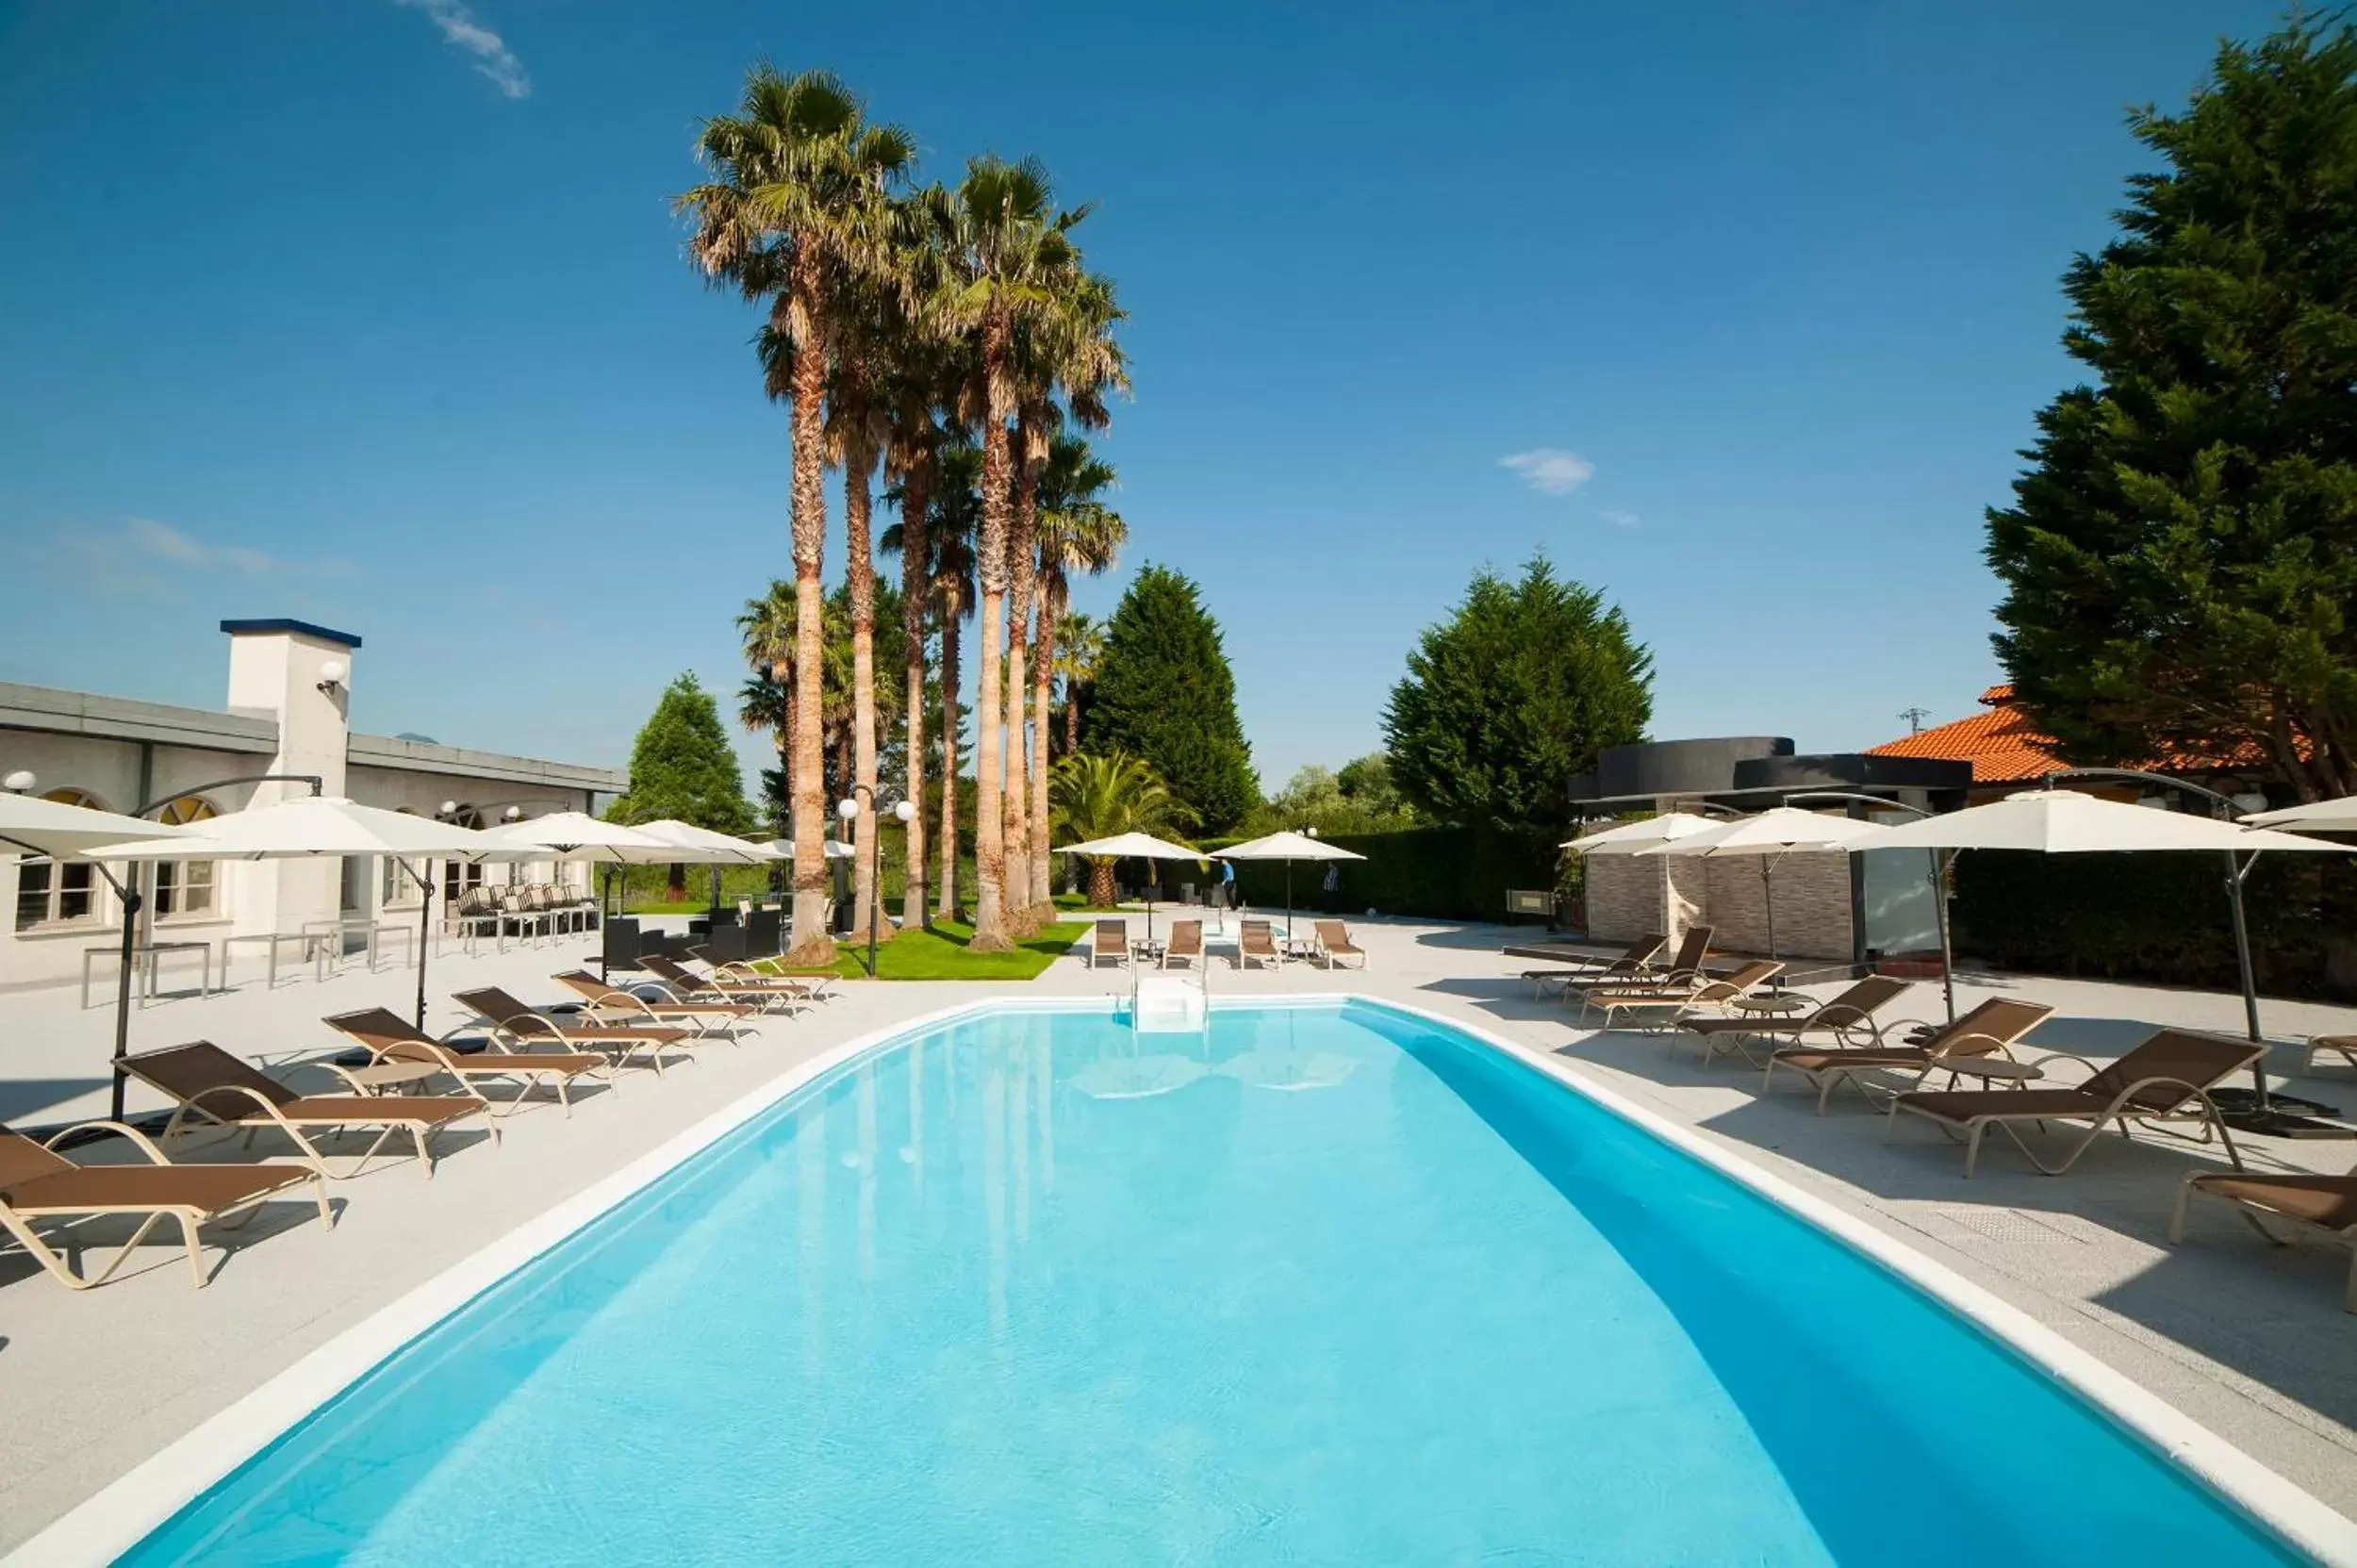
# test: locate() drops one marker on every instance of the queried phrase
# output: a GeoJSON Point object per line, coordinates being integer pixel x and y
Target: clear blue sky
{"type": "Point", "coordinates": [374, 313]}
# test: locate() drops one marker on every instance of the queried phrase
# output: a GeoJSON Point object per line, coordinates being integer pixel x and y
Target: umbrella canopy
{"type": "Point", "coordinates": [573, 835]}
{"type": "Point", "coordinates": [1286, 846]}
{"type": "Point", "coordinates": [309, 825]}
{"type": "Point", "coordinates": [2068, 821]}
{"type": "Point", "coordinates": [2316, 816]}
{"type": "Point", "coordinates": [34, 825]}
{"type": "Point", "coordinates": [1771, 832]}
{"type": "Point", "coordinates": [685, 841]}
{"type": "Point", "coordinates": [1629, 838]}
{"type": "Point", "coordinates": [1132, 845]}
{"type": "Point", "coordinates": [782, 849]}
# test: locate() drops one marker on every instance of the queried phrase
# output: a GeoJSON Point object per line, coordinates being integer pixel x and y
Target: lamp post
{"type": "Point", "coordinates": [847, 809]}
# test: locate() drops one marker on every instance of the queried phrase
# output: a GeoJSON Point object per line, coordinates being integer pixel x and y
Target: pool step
{"type": "Point", "coordinates": [1168, 1005]}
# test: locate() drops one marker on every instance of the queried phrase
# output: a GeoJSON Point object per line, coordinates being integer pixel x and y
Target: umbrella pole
{"type": "Point", "coordinates": [130, 896]}
{"type": "Point", "coordinates": [425, 928]}
{"type": "Point", "coordinates": [2236, 869]}
{"type": "Point", "coordinates": [1289, 904]}
{"type": "Point", "coordinates": [1939, 914]}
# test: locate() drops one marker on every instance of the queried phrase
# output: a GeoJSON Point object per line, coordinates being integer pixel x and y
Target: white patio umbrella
{"type": "Point", "coordinates": [1769, 837]}
{"type": "Point", "coordinates": [1288, 847]}
{"type": "Point", "coordinates": [576, 836]}
{"type": "Point", "coordinates": [2316, 816]}
{"type": "Point", "coordinates": [314, 826]}
{"type": "Point", "coordinates": [685, 841]}
{"type": "Point", "coordinates": [1134, 846]}
{"type": "Point", "coordinates": [782, 849]}
{"type": "Point", "coordinates": [1629, 838]}
{"type": "Point", "coordinates": [2068, 821]}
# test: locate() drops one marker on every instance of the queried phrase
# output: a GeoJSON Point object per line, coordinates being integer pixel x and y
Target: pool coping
{"type": "Point", "coordinates": [120, 1515]}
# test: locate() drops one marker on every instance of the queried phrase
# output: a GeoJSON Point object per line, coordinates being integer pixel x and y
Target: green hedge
{"type": "Point", "coordinates": [1434, 873]}
{"type": "Point", "coordinates": [2161, 917]}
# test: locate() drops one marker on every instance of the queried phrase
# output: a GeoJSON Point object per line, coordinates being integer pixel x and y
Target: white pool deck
{"type": "Point", "coordinates": [2249, 1341]}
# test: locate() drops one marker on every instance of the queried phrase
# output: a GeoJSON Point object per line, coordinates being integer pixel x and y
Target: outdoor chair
{"type": "Point", "coordinates": [39, 1183]}
{"type": "Point", "coordinates": [687, 986]}
{"type": "Point", "coordinates": [1676, 1004]}
{"type": "Point", "coordinates": [208, 1084]}
{"type": "Point", "coordinates": [1185, 945]}
{"type": "Point", "coordinates": [1684, 971]}
{"type": "Point", "coordinates": [611, 1003]}
{"type": "Point", "coordinates": [2325, 1204]}
{"type": "Point", "coordinates": [812, 984]}
{"type": "Point", "coordinates": [1989, 1031]}
{"type": "Point", "coordinates": [1848, 1017]}
{"type": "Point", "coordinates": [2167, 1078]}
{"type": "Point", "coordinates": [1111, 941]}
{"type": "Point", "coordinates": [2342, 1045]}
{"type": "Point", "coordinates": [1256, 942]}
{"type": "Point", "coordinates": [1629, 963]}
{"type": "Point", "coordinates": [509, 1018]}
{"type": "Point", "coordinates": [1334, 944]}
{"type": "Point", "coordinates": [387, 1037]}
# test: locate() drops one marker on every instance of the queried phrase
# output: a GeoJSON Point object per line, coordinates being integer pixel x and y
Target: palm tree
{"type": "Point", "coordinates": [768, 626]}
{"type": "Point", "coordinates": [795, 207]}
{"type": "Point", "coordinates": [1079, 644]}
{"type": "Point", "coordinates": [947, 591]}
{"type": "Point", "coordinates": [1097, 797]}
{"type": "Point", "coordinates": [1002, 249]}
{"type": "Point", "coordinates": [1077, 533]}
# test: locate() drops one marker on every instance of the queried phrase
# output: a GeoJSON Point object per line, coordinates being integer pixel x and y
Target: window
{"type": "Point", "coordinates": [460, 875]}
{"type": "Point", "coordinates": [185, 887]}
{"type": "Point", "coordinates": [56, 893]}
{"type": "Point", "coordinates": [395, 884]}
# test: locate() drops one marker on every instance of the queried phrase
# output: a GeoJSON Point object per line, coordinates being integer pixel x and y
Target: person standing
{"type": "Point", "coordinates": [1228, 883]}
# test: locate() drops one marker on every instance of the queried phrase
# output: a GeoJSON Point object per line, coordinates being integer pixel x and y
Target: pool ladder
{"type": "Point", "coordinates": [1161, 1003]}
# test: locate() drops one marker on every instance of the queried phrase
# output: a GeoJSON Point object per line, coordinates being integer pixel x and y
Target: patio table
{"type": "Point", "coordinates": [144, 955]}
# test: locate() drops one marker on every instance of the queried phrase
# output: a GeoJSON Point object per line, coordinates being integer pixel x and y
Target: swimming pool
{"type": "Point", "coordinates": [1333, 1283]}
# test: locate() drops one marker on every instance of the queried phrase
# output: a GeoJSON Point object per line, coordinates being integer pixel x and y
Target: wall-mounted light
{"type": "Point", "coordinates": [333, 673]}
{"type": "Point", "coordinates": [19, 782]}
{"type": "Point", "coordinates": [2251, 799]}
{"type": "Point", "coordinates": [513, 814]}
{"type": "Point", "coordinates": [450, 808]}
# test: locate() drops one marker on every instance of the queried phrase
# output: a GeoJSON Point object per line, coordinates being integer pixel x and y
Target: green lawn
{"type": "Point", "coordinates": [940, 953]}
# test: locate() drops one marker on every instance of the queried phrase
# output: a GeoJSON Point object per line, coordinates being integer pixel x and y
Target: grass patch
{"type": "Point", "coordinates": [942, 953]}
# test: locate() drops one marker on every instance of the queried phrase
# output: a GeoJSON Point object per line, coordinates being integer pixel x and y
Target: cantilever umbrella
{"type": "Point", "coordinates": [2068, 821]}
{"type": "Point", "coordinates": [1134, 846]}
{"type": "Point", "coordinates": [1287, 846]}
{"type": "Point", "coordinates": [1629, 838]}
{"type": "Point", "coordinates": [1769, 836]}
{"type": "Point", "coordinates": [577, 836]}
{"type": "Point", "coordinates": [2338, 815]}
{"type": "Point", "coordinates": [315, 826]}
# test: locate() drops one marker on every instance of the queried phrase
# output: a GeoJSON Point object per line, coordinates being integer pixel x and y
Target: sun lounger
{"type": "Point", "coordinates": [2325, 1204]}
{"type": "Point", "coordinates": [1111, 941]}
{"type": "Point", "coordinates": [208, 1084]}
{"type": "Point", "coordinates": [389, 1037]}
{"type": "Point", "coordinates": [1632, 961]}
{"type": "Point", "coordinates": [1684, 971]}
{"type": "Point", "coordinates": [1257, 943]}
{"type": "Point", "coordinates": [2167, 1078]}
{"type": "Point", "coordinates": [814, 985]}
{"type": "Point", "coordinates": [1990, 1030]}
{"type": "Point", "coordinates": [1679, 1004]}
{"type": "Point", "coordinates": [2342, 1045]}
{"type": "Point", "coordinates": [1185, 944]}
{"type": "Point", "coordinates": [524, 1026]}
{"type": "Point", "coordinates": [612, 1004]}
{"type": "Point", "coordinates": [687, 986]}
{"type": "Point", "coordinates": [1334, 944]}
{"type": "Point", "coordinates": [1848, 1018]}
{"type": "Point", "coordinates": [39, 1183]}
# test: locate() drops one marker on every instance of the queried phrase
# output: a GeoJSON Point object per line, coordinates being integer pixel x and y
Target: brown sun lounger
{"type": "Point", "coordinates": [1185, 944]}
{"type": "Point", "coordinates": [39, 1183]}
{"type": "Point", "coordinates": [814, 984]}
{"type": "Point", "coordinates": [1680, 1003]}
{"type": "Point", "coordinates": [687, 986]}
{"type": "Point", "coordinates": [389, 1037]}
{"type": "Point", "coordinates": [1684, 973]}
{"type": "Point", "coordinates": [2325, 1204]}
{"type": "Point", "coordinates": [1847, 1017]}
{"type": "Point", "coordinates": [611, 1003]}
{"type": "Point", "coordinates": [1111, 940]}
{"type": "Point", "coordinates": [2342, 1045]}
{"type": "Point", "coordinates": [1256, 942]}
{"type": "Point", "coordinates": [527, 1027]}
{"type": "Point", "coordinates": [208, 1084]}
{"type": "Point", "coordinates": [1629, 963]}
{"type": "Point", "coordinates": [1992, 1028]}
{"type": "Point", "coordinates": [2167, 1078]}
{"type": "Point", "coordinates": [1334, 944]}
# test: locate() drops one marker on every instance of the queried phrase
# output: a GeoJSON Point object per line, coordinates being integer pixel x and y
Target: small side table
{"type": "Point", "coordinates": [382, 1076]}
{"type": "Point", "coordinates": [1994, 1071]}
{"type": "Point", "coordinates": [1776, 1004]}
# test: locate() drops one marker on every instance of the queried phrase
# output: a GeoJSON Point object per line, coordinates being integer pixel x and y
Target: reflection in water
{"type": "Point", "coordinates": [1137, 1077]}
{"type": "Point", "coordinates": [1043, 1074]}
{"type": "Point", "coordinates": [994, 1174]}
{"type": "Point", "coordinates": [916, 1152]}
{"type": "Point", "coordinates": [1019, 1136]}
{"type": "Point", "coordinates": [810, 1140]}
{"type": "Point", "coordinates": [866, 1159]}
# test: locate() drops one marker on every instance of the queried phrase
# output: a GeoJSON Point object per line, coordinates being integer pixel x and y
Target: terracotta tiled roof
{"type": "Point", "coordinates": [2004, 748]}
{"type": "Point", "coordinates": [1999, 742]}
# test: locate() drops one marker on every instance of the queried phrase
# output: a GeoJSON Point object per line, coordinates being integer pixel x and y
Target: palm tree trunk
{"type": "Point", "coordinates": [1024, 774]}
{"type": "Point", "coordinates": [811, 945]}
{"type": "Point", "coordinates": [946, 906]}
{"type": "Point", "coordinates": [1043, 682]}
{"type": "Point", "coordinates": [859, 552]}
{"type": "Point", "coordinates": [912, 560]}
{"type": "Point", "coordinates": [990, 826]}
{"type": "Point", "coordinates": [1101, 892]}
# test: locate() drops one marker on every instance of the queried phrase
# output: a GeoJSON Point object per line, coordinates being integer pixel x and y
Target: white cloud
{"type": "Point", "coordinates": [461, 31]}
{"type": "Point", "coordinates": [1618, 519]}
{"type": "Point", "coordinates": [163, 542]}
{"type": "Point", "coordinates": [1551, 471]}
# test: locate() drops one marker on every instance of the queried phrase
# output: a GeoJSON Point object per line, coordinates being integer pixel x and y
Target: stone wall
{"type": "Point", "coordinates": [1630, 895]}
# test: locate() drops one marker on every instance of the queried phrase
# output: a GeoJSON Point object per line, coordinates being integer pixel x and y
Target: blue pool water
{"type": "Point", "coordinates": [1329, 1285]}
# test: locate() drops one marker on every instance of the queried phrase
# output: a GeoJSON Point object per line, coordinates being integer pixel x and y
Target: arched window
{"type": "Point", "coordinates": [57, 893]}
{"type": "Point", "coordinates": [185, 887]}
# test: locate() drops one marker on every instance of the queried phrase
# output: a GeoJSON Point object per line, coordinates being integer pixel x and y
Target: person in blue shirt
{"type": "Point", "coordinates": [1227, 883]}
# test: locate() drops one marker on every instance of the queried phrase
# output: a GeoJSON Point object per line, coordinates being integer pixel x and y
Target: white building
{"type": "Point", "coordinates": [289, 696]}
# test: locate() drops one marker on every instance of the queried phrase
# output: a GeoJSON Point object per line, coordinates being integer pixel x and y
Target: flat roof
{"type": "Point", "coordinates": [283, 623]}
